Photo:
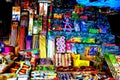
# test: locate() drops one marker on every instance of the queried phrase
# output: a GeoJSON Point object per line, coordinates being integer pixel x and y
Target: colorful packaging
{"type": "Point", "coordinates": [29, 42]}
{"type": "Point", "coordinates": [35, 42]}
{"type": "Point", "coordinates": [60, 44]}
{"type": "Point", "coordinates": [16, 13]}
{"type": "Point", "coordinates": [24, 19]}
{"type": "Point", "coordinates": [42, 46]}
{"type": "Point", "coordinates": [14, 34]}
{"type": "Point", "coordinates": [30, 27]}
{"type": "Point", "coordinates": [21, 42]}
{"type": "Point", "coordinates": [68, 47]}
{"type": "Point", "coordinates": [51, 47]}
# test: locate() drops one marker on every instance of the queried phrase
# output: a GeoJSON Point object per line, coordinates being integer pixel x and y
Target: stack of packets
{"type": "Point", "coordinates": [68, 59]}
{"type": "Point", "coordinates": [46, 75]}
{"type": "Point", "coordinates": [21, 69]}
{"type": "Point", "coordinates": [63, 59]}
{"type": "Point", "coordinates": [77, 62]}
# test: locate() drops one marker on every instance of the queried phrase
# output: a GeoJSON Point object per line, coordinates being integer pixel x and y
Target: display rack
{"type": "Point", "coordinates": [52, 41]}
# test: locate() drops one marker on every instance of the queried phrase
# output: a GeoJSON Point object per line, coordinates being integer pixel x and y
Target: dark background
{"type": "Point", "coordinates": [114, 21]}
{"type": "Point", "coordinates": [5, 18]}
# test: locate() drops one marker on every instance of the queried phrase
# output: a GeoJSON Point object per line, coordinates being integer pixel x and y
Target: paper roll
{"type": "Point", "coordinates": [28, 42]}
{"type": "Point", "coordinates": [63, 60]}
{"type": "Point", "coordinates": [41, 8]}
{"type": "Point", "coordinates": [35, 42]}
{"type": "Point", "coordinates": [13, 37]}
{"type": "Point", "coordinates": [69, 60]}
{"type": "Point", "coordinates": [51, 48]}
{"type": "Point", "coordinates": [56, 59]}
{"type": "Point", "coordinates": [22, 38]}
{"type": "Point", "coordinates": [31, 16]}
{"type": "Point", "coordinates": [59, 59]}
{"type": "Point", "coordinates": [17, 51]}
{"type": "Point", "coordinates": [66, 60]}
{"type": "Point", "coordinates": [49, 17]}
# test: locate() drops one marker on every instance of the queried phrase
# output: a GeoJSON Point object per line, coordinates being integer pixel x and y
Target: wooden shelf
{"type": "Point", "coordinates": [45, 65]}
{"type": "Point", "coordinates": [79, 71]}
{"type": "Point", "coordinates": [8, 66]}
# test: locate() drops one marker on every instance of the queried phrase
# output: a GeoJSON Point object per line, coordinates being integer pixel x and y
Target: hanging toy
{"type": "Point", "coordinates": [83, 26]}
{"type": "Point", "coordinates": [102, 29]}
{"type": "Point", "coordinates": [67, 22]}
{"type": "Point", "coordinates": [76, 25]}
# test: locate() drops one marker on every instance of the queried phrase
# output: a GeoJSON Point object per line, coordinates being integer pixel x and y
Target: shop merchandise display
{"type": "Point", "coordinates": [54, 41]}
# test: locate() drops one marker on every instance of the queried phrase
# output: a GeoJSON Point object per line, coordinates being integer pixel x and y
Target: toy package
{"type": "Point", "coordinates": [14, 34]}
{"type": "Point", "coordinates": [51, 46]}
{"type": "Point", "coordinates": [30, 25]}
{"type": "Point", "coordinates": [42, 46]}
{"type": "Point", "coordinates": [21, 43]}
{"type": "Point", "coordinates": [24, 19]}
{"type": "Point", "coordinates": [60, 44]}
{"type": "Point", "coordinates": [16, 13]}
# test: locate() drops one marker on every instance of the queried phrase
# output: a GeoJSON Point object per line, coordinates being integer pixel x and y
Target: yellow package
{"type": "Point", "coordinates": [84, 63]}
{"type": "Point", "coordinates": [76, 56]}
{"type": "Point", "coordinates": [17, 51]}
{"type": "Point", "coordinates": [78, 63]}
{"type": "Point", "coordinates": [87, 50]}
{"type": "Point", "coordinates": [6, 76]}
{"type": "Point", "coordinates": [42, 48]}
{"type": "Point", "coordinates": [1, 77]}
